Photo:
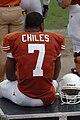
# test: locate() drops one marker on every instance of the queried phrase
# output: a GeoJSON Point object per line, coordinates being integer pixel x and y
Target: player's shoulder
{"type": "Point", "coordinates": [56, 35]}
{"type": "Point", "coordinates": [12, 35]}
{"type": "Point", "coordinates": [58, 38]}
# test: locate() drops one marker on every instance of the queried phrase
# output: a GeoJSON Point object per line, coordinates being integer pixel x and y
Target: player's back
{"type": "Point", "coordinates": [36, 53]}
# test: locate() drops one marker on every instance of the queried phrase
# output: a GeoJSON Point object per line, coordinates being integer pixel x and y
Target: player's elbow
{"type": "Point", "coordinates": [12, 77]}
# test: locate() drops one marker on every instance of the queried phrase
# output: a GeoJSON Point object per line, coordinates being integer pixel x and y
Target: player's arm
{"type": "Point", "coordinates": [57, 67]}
{"type": "Point", "coordinates": [11, 69]}
{"type": "Point", "coordinates": [64, 3]}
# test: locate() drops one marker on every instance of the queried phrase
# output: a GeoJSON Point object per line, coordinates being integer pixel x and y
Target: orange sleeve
{"type": "Point", "coordinates": [8, 41]}
{"type": "Point", "coordinates": [60, 39]}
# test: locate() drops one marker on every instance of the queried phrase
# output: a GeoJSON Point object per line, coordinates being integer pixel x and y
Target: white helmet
{"type": "Point", "coordinates": [69, 89]}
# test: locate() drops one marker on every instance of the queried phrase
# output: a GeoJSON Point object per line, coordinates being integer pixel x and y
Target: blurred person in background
{"type": "Point", "coordinates": [11, 20]}
{"type": "Point", "coordinates": [36, 6]}
{"type": "Point", "coordinates": [73, 29]}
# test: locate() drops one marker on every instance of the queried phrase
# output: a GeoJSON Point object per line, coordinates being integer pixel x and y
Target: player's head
{"type": "Point", "coordinates": [33, 20]}
{"type": "Point", "coordinates": [69, 89]}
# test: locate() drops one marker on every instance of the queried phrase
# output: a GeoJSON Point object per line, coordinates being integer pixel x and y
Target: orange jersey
{"type": "Point", "coordinates": [9, 2]}
{"type": "Point", "coordinates": [35, 54]}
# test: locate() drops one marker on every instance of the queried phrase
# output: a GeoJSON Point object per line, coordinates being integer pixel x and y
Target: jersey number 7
{"type": "Point", "coordinates": [41, 47]}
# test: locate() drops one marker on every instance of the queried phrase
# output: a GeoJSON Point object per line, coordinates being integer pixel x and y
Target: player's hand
{"type": "Point", "coordinates": [45, 10]}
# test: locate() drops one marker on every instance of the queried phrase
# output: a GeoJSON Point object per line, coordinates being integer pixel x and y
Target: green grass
{"type": "Point", "coordinates": [57, 17]}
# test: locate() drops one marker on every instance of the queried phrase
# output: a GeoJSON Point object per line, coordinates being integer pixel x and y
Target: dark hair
{"type": "Point", "coordinates": [33, 19]}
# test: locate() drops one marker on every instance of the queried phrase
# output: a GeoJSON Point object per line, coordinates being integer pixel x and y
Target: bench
{"type": "Point", "coordinates": [56, 111]}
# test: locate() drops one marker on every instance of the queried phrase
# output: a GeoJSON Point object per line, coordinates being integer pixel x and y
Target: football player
{"type": "Point", "coordinates": [33, 62]}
